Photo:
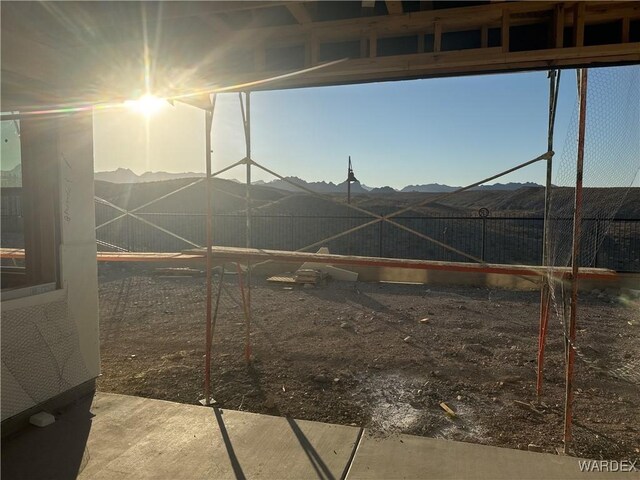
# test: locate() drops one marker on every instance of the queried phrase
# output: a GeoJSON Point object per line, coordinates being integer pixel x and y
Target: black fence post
{"type": "Point", "coordinates": [127, 221]}
{"type": "Point", "coordinates": [484, 233]}
{"type": "Point", "coordinates": [597, 244]}
{"type": "Point", "coordinates": [380, 240]}
{"type": "Point", "coordinates": [291, 234]}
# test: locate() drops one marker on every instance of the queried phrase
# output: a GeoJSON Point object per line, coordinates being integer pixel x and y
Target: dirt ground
{"type": "Point", "coordinates": [362, 354]}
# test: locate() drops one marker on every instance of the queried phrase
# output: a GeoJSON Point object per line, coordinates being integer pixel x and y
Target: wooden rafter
{"type": "Point", "coordinates": [219, 53]}
{"type": "Point", "coordinates": [394, 7]}
{"type": "Point", "coordinates": [436, 64]}
{"type": "Point", "coordinates": [578, 24]}
{"type": "Point", "coordinates": [299, 12]}
{"type": "Point", "coordinates": [521, 13]}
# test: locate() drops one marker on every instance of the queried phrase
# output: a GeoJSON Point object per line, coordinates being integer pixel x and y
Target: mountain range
{"type": "Point", "coordinates": [124, 175]}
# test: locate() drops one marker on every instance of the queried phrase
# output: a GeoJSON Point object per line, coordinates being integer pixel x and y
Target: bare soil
{"type": "Point", "coordinates": [362, 354]}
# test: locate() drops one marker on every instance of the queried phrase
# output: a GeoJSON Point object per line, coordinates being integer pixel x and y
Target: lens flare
{"type": "Point", "coordinates": [147, 105]}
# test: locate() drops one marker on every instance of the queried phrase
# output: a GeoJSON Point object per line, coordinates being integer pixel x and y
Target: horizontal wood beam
{"type": "Point", "coordinates": [254, 254]}
{"type": "Point", "coordinates": [465, 62]}
{"type": "Point", "coordinates": [521, 13]}
{"type": "Point", "coordinates": [216, 62]}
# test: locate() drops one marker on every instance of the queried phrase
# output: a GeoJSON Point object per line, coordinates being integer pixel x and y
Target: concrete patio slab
{"type": "Point", "coordinates": [411, 457]}
{"type": "Point", "coordinates": [139, 438]}
{"type": "Point", "coordinates": [121, 437]}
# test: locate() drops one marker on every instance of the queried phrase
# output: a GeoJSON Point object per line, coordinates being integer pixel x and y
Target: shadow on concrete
{"type": "Point", "coordinates": [57, 451]}
{"type": "Point", "coordinates": [315, 459]}
{"type": "Point", "coordinates": [235, 463]}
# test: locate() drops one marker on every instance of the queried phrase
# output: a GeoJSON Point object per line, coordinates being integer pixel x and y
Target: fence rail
{"type": "Point", "coordinates": [495, 239]}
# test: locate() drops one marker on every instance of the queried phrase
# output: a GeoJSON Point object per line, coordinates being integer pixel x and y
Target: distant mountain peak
{"type": "Point", "coordinates": [126, 175]}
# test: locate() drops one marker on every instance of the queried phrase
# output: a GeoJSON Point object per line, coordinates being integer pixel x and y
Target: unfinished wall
{"type": "Point", "coordinates": [50, 340]}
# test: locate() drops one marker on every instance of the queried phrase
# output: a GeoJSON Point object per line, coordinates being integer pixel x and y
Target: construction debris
{"type": "Point", "coordinates": [448, 410]}
{"type": "Point", "coordinates": [179, 271]}
{"type": "Point", "coordinates": [527, 406]}
{"type": "Point", "coordinates": [334, 272]}
{"type": "Point", "coordinates": [42, 419]}
{"type": "Point", "coordinates": [308, 275]}
{"type": "Point", "coordinates": [283, 278]}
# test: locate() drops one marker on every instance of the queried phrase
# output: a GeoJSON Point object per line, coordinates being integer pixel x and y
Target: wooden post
{"type": "Point", "coordinates": [626, 25]}
{"type": "Point", "coordinates": [421, 42]}
{"type": "Point", "coordinates": [373, 45]}
{"type": "Point", "coordinates": [578, 24]}
{"type": "Point", "coordinates": [558, 26]}
{"type": "Point", "coordinates": [437, 37]}
{"type": "Point", "coordinates": [505, 30]}
{"type": "Point", "coordinates": [363, 47]}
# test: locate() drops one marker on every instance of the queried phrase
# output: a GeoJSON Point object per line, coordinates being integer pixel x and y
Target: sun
{"type": "Point", "coordinates": [147, 105]}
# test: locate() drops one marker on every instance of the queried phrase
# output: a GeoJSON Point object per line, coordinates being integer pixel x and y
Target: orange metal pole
{"type": "Point", "coordinates": [545, 290]}
{"type": "Point", "coordinates": [542, 335]}
{"type": "Point", "coordinates": [209, 256]}
{"type": "Point", "coordinates": [247, 338]}
{"type": "Point", "coordinates": [575, 261]}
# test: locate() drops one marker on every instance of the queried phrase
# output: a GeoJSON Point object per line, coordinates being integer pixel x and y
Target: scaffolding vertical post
{"type": "Point", "coordinates": [349, 181]}
{"type": "Point", "coordinates": [247, 135]}
{"type": "Point", "coordinates": [554, 80]}
{"type": "Point", "coordinates": [209, 234]}
{"type": "Point", "coordinates": [554, 83]}
{"type": "Point", "coordinates": [575, 259]}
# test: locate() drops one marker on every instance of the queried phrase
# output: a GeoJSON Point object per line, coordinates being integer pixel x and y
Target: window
{"type": "Point", "coordinates": [30, 207]}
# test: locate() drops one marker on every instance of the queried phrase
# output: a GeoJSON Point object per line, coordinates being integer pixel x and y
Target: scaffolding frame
{"type": "Point", "coordinates": [244, 266]}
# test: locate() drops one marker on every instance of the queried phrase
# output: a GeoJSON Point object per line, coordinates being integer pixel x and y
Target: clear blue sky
{"type": "Point", "coordinates": [451, 130]}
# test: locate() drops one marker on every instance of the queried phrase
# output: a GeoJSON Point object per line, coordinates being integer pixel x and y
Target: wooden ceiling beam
{"type": "Point", "coordinates": [394, 7]}
{"type": "Point", "coordinates": [491, 15]}
{"type": "Point", "coordinates": [475, 61]}
{"type": "Point", "coordinates": [299, 12]}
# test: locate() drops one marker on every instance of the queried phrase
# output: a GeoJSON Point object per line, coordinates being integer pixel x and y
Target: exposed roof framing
{"type": "Point", "coordinates": [299, 12]}
{"type": "Point", "coordinates": [199, 45]}
{"type": "Point", "coordinates": [394, 7]}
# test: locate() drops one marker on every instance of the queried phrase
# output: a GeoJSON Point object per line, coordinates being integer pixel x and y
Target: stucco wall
{"type": "Point", "coordinates": [50, 341]}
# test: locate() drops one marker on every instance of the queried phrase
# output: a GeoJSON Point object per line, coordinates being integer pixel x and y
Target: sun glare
{"type": "Point", "coordinates": [147, 104]}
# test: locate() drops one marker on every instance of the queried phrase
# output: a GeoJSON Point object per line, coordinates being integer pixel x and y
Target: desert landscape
{"type": "Point", "coordinates": [379, 355]}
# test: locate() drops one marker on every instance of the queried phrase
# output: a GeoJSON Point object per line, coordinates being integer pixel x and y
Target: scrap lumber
{"type": "Point", "coordinates": [307, 275]}
{"type": "Point", "coordinates": [254, 254]}
{"type": "Point", "coordinates": [282, 278]}
{"type": "Point", "coordinates": [334, 272]}
{"type": "Point", "coordinates": [178, 271]}
{"type": "Point", "coordinates": [448, 410]}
